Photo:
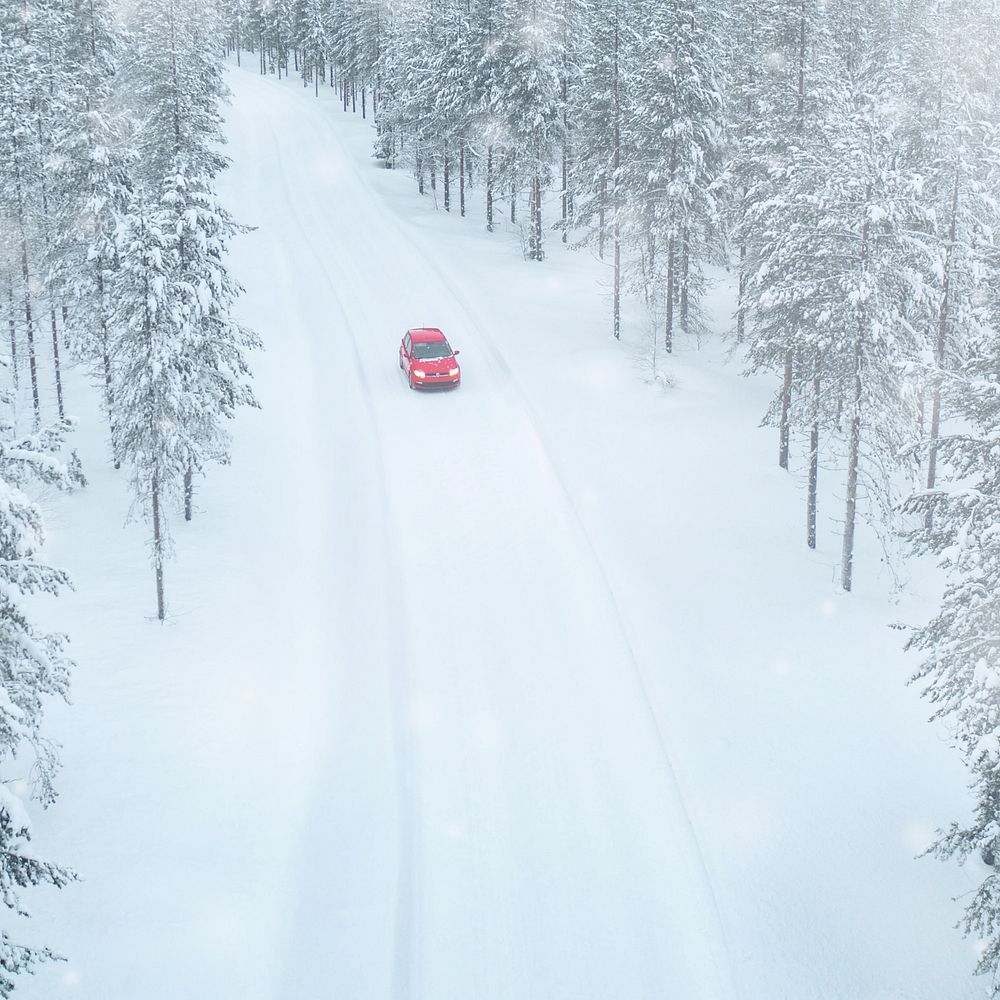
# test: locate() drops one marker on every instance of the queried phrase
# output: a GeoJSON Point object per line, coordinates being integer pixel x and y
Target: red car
{"type": "Point", "coordinates": [427, 359]}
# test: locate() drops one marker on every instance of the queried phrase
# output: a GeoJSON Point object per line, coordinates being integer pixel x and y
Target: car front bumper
{"type": "Point", "coordinates": [437, 382]}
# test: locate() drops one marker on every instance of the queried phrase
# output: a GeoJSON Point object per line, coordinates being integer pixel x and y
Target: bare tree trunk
{"type": "Point", "coordinates": [813, 465]}
{"type": "Point", "coordinates": [158, 547]}
{"type": "Point", "coordinates": [513, 205]}
{"type": "Point", "coordinates": [364, 103]}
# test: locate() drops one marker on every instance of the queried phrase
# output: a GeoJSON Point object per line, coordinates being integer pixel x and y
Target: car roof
{"type": "Point", "coordinates": [423, 333]}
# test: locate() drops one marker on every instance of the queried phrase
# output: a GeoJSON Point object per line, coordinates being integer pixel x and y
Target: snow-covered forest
{"type": "Point", "coordinates": [834, 163]}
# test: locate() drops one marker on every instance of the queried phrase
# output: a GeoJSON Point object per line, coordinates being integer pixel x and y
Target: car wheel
{"type": "Point", "coordinates": [412, 386]}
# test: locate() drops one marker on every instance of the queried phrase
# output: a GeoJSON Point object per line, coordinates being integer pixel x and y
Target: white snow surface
{"type": "Point", "coordinates": [526, 691]}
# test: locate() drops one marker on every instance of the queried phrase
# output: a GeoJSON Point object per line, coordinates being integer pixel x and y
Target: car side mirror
{"type": "Point", "coordinates": [456, 353]}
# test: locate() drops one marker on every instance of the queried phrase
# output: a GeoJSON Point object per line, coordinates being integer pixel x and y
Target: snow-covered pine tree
{"type": "Point", "coordinates": [216, 374]}
{"type": "Point", "coordinates": [604, 116]}
{"type": "Point", "coordinates": [571, 15]}
{"type": "Point", "coordinates": [840, 258]}
{"type": "Point", "coordinates": [781, 101]}
{"type": "Point", "coordinates": [526, 103]}
{"type": "Point", "coordinates": [794, 108]}
{"type": "Point", "coordinates": [488, 134]}
{"type": "Point", "coordinates": [677, 139]}
{"type": "Point", "coordinates": [22, 73]}
{"type": "Point", "coordinates": [950, 59]}
{"type": "Point", "coordinates": [961, 656]}
{"type": "Point", "coordinates": [315, 40]}
{"type": "Point", "coordinates": [34, 668]}
{"type": "Point", "coordinates": [155, 416]}
{"type": "Point", "coordinates": [172, 79]}
{"type": "Point", "coordinates": [90, 169]}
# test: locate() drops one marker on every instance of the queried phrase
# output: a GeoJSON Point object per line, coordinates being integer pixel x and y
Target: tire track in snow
{"type": "Point", "coordinates": [407, 859]}
{"type": "Point", "coordinates": [533, 426]}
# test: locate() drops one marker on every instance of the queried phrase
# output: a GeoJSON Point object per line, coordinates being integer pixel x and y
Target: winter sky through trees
{"type": "Point", "coordinates": [830, 169]}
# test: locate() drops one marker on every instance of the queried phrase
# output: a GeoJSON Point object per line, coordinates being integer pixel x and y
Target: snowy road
{"type": "Point", "coordinates": [495, 815]}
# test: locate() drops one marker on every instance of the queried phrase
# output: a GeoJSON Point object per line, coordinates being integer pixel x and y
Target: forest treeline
{"type": "Point", "coordinates": [112, 258]}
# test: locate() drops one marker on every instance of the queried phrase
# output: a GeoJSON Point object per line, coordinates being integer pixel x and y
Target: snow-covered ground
{"type": "Point", "coordinates": [527, 691]}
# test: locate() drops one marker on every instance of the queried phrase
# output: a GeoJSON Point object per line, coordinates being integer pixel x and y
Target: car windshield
{"type": "Point", "coordinates": [426, 350]}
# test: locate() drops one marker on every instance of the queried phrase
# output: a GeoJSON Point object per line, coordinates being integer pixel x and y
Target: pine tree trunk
{"type": "Point", "coordinates": [354, 98]}
{"type": "Point", "coordinates": [513, 205]}
{"type": "Point", "coordinates": [446, 169]}
{"type": "Point", "coordinates": [489, 189]}
{"type": "Point", "coordinates": [461, 179]}
{"type": "Point", "coordinates": [565, 208]}
{"type": "Point", "coordinates": [741, 307]}
{"type": "Point", "coordinates": [786, 405]}
{"type": "Point", "coordinates": [106, 360]}
{"type": "Point", "coordinates": [685, 268]}
{"type": "Point", "coordinates": [939, 350]}
{"type": "Point", "coordinates": [602, 199]}
{"type": "Point", "coordinates": [12, 325]}
{"type": "Point", "coordinates": [188, 492]}
{"type": "Point", "coordinates": [56, 365]}
{"type": "Point", "coordinates": [26, 279]}
{"type": "Point", "coordinates": [813, 466]}
{"type": "Point", "coordinates": [617, 307]}
{"type": "Point", "coordinates": [615, 199]}
{"type": "Point", "coordinates": [668, 333]}
{"type": "Point", "coordinates": [30, 330]}
{"type": "Point", "coordinates": [847, 564]}
{"type": "Point", "coordinates": [158, 547]}
{"type": "Point", "coordinates": [539, 253]}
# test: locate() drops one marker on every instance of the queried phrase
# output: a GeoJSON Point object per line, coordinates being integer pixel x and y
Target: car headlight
{"type": "Point", "coordinates": [454, 371]}
{"type": "Point", "coordinates": [419, 374]}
